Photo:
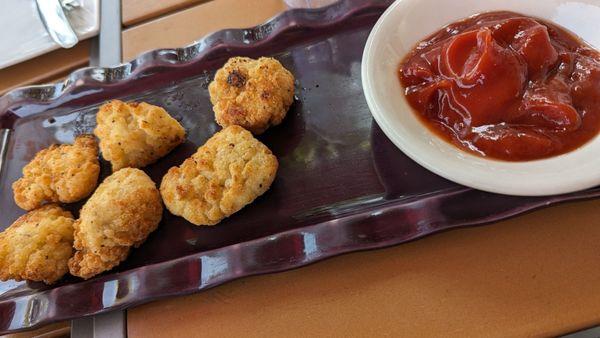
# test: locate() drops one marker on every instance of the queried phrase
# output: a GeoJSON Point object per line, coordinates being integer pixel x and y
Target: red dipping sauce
{"type": "Point", "coordinates": [506, 86]}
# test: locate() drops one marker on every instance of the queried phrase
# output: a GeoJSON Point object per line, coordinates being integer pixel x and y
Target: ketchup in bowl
{"type": "Point", "coordinates": [506, 86]}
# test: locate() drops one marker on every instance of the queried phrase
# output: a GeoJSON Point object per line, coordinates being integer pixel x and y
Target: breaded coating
{"type": "Point", "coordinates": [254, 94]}
{"type": "Point", "coordinates": [61, 173]}
{"type": "Point", "coordinates": [136, 134]}
{"type": "Point", "coordinates": [121, 213]}
{"type": "Point", "coordinates": [228, 172]}
{"type": "Point", "coordinates": [37, 246]}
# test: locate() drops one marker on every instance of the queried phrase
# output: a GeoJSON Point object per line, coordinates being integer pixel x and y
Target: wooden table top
{"type": "Point", "coordinates": [184, 27]}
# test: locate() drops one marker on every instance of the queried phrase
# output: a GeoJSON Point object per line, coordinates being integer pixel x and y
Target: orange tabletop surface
{"type": "Point", "coordinates": [535, 275]}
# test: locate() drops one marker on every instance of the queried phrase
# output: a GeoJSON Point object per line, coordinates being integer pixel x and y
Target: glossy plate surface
{"type": "Point", "coordinates": [342, 185]}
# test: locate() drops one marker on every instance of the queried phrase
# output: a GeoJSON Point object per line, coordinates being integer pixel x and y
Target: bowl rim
{"type": "Point", "coordinates": [562, 185]}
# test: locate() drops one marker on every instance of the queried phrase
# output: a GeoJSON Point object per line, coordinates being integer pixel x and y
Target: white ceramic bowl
{"type": "Point", "coordinates": [401, 27]}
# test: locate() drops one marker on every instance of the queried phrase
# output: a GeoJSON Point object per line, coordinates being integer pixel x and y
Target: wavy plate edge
{"type": "Point", "coordinates": [234, 263]}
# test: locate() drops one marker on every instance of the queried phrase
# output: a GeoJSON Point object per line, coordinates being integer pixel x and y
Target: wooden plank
{"type": "Point", "coordinates": [46, 67]}
{"type": "Point", "coordinates": [184, 27]}
{"type": "Point", "coordinates": [136, 11]}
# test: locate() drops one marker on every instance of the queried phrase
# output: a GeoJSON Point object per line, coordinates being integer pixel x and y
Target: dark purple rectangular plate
{"type": "Point", "coordinates": [342, 185]}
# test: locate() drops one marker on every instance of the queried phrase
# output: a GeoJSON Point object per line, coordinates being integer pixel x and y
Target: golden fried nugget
{"type": "Point", "coordinates": [228, 172]}
{"type": "Point", "coordinates": [254, 94]}
{"type": "Point", "coordinates": [121, 213]}
{"type": "Point", "coordinates": [61, 173]}
{"type": "Point", "coordinates": [37, 245]}
{"type": "Point", "coordinates": [136, 134]}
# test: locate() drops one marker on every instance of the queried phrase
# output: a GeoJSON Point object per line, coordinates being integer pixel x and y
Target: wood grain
{"type": "Point", "coordinates": [184, 27]}
{"type": "Point", "coordinates": [135, 11]}
{"type": "Point", "coordinates": [531, 276]}
{"type": "Point", "coordinates": [45, 68]}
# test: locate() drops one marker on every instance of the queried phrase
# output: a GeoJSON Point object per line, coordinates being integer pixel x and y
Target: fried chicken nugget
{"type": "Point", "coordinates": [136, 134]}
{"type": "Point", "coordinates": [61, 173]}
{"type": "Point", "coordinates": [254, 94]}
{"type": "Point", "coordinates": [228, 172]}
{"type": "Point", "coordinates": [37, 245]}
{"type": "Point", "coordinates": [121, 213]}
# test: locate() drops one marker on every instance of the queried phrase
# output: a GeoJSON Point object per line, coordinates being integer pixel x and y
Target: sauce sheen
{"type": "Point", "coordinates": [506, 86]}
